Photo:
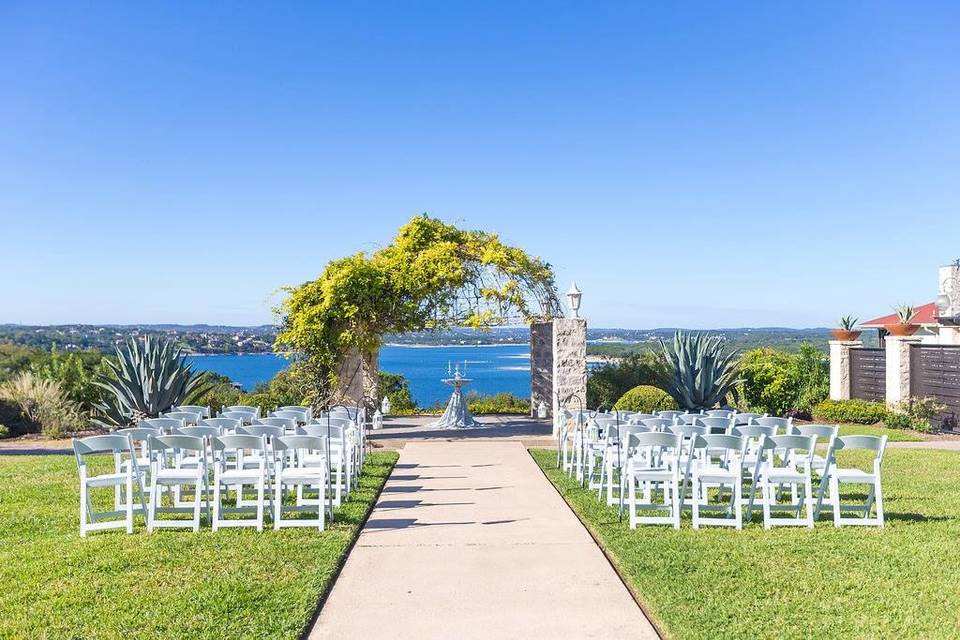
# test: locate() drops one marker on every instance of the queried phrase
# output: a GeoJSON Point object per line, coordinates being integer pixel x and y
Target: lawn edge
{"type": "Point", "coordinates": [611, 560]}
{"type": "Point", "coordinates": [328, 589]}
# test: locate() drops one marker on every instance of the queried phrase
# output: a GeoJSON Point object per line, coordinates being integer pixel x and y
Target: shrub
{"type": "Point", "coordinates": [4, 431]}
{"type": "Point", "coordinates": [498, 403]}
{"type": "Point", "coordinates": [855, 411]}
{"type": "Point", "coordinates": [915, 413]}
{"type": "Point", "coordinates": [607, 383]}
{"type": "Point", "coordinates": [646, 399]}
{"type": "Point", "coordinates": [780, 383]}
{"type": "Point", "coordinates": [703, 371]}
{"type": "Point", "coordinates": [44, 404]}
{"type": "Point", "coordinates": [395, 387]}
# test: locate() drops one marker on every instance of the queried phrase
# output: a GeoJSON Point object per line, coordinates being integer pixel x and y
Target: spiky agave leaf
{"type": "Point", "coordinates": [146, 380]}
{"type": "Point", "coordinates": [703, 372]}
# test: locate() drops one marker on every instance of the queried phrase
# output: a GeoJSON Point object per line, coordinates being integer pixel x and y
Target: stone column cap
{"type": "Point", "coordinates": [847, 343]}
{"type": "Point", "coordinates": [904, 338]}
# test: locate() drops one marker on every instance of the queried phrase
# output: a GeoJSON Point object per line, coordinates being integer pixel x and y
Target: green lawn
{"type": "Point", "coordinates": [230, 584]}
{"type": "Point", "coordinates": [893, 435]}
{"type": "Point", "coordinates": [898, 582]}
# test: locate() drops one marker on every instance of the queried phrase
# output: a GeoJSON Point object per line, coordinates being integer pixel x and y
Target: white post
{"type": "Point", "coordinates": [840, 367]}
{"type": "Point", "coordinates": [898, 368]}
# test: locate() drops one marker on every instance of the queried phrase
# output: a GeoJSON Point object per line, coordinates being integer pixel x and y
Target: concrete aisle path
{"type": "Point", "coordinates": [469, 540]}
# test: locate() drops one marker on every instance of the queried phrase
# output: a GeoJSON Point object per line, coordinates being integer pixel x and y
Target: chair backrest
{"type": "Point", "coordinates": [224, 424]}
{"type": "Point", "coordinates": [111, 443]}
{"type": "Point", "coordinates": [287, 423]}
{"type": "Point", "coordinates": [754, 431]}
{"type": "Point", "coordinates": [669, 414]}
{"type": "Point", "coordinates": [689, 418]}
{"type": "Point", "coordinates": [306, 411]}
{"type": "Point", "coordinates": [870, 443]}
{"type": "Point", "coordinates": [164, 424]}
{"type": "Point", "coordinates": [627, 429]}
{"type": "Point", "coordinates": [300, 443]}
{"type": "Point", "coordinates": [824, 432]}
{"type": "Point", "coordinates": [669, 443]}
{"type": "Point", "coordinates": [720, 413]}
{"type": "Point", "coordinates": [716, 424]}
{"type": "Point", "coordinates": [200, 431]}
{"type": "Point", "coordinates": [267, 430]}
{"type": "Point", "coordinates": [747, 418]}
{"type": "Point", "coordinates": [298, 416]}
{"type": "Point", "coordinates": [793, 448]}
{"type": "Point", "coordinates": [241, 442]}
{"type": "Point", "coordinates": [176, 441]}
{"type": "Point", "coordinates": [659, 424]}
{"type": "Point", "coordinates": [139, 434]}
{"type": "Point", "coordinates": [334, 432]}
{"type": "Point", "coordinates": [194, 408]}
{"type": "Point", "coordinates": [721, 445]}
{"type": "Point", "coordinates": [189, 418]}
{"type": "Point", "coordinates": [350, 412]}
{"type": "Point", "coordinates": [688, 430]}
{"type": "Point", "coordinates": [246, 408]}
{"type": "Point", "coordinates": [783, 424]}
{"type": "Point", "coordinates": [245, 417]}
{"type": "Point", "coordinates": [333, 422]}
{"type": "Point", "coordinates": [637, 417]}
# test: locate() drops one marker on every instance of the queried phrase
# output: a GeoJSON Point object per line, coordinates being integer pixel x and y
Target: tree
{"type": "Point", "coordinates": [432, 276]}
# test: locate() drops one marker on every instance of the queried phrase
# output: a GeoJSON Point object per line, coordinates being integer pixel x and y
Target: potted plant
{"type": "Point", "coordinates": [847, 330]}
{"type": "Point", "coordinates": [904, 326]}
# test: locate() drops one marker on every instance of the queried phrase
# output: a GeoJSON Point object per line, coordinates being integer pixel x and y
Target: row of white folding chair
{"type": "Point", "coordinates": [303, 464]}
{"type": "Point", "coordinates": [786, 460]}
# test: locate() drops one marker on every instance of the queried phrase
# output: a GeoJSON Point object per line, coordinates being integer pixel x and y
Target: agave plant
{"type": "Point", "coordinates": [703, 372]}
{"type": "Point", "coordinates": [848, 323]}
{"type": "Point", "coordinates": [904, 313]}
{"type": "Point", "coordinates": [146, 380]}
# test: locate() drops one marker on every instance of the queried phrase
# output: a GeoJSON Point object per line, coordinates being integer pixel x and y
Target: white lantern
{"type": "Point", "coordinates": [385, 406]}
{"type": "Point", "coordinates": [574, 295]}
{"type": "Point", "coordinates": [542, 410]}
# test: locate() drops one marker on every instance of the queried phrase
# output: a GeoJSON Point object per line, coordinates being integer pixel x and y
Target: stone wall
{"type": "Point", "coordinates": [359, 379]}
{"type": "Point", "coordinates": [541, 366]}
{"type": "Point", "coordinates": [558, 364]}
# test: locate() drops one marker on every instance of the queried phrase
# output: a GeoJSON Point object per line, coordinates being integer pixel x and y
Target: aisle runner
{"type": "Point", "coordinates": [469, 540]}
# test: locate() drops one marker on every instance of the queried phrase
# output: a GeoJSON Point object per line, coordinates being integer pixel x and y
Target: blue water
{"type": "Point", "coordinates": [493, 369]}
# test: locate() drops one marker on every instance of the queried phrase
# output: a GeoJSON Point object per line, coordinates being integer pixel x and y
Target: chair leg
{"type": "Point", "coordinates": [260, 504]}
{"type": "Point", "coordinates": [216, 503]}
{"type": "Point", "coordinates": [835, 490]}
{"type": "Point", "coordinates": [129, 501]}
{"type": "Point", "coordinates": [83, 508]}
{"type": "Point", "coordinates": [738, 503]}
{"type": "Point", "coordinates": [697, 489]}
{"type": "Point", "coordinates": [196, 507]}
{"type": "Point", "coordinates": [152, 512]}
{"type": "Point", "coordinates": [675, 499]}
{"type": "Point", "coordinates": [808, 499]}
{"type": "Point", "coordinates": [277, 502]}
{"type": "Point", "coordinates": [767, 498]}
{"type": "Point", "coordinates": [633, 503]}
{"type": "Point", "coordinates": [879, 501]}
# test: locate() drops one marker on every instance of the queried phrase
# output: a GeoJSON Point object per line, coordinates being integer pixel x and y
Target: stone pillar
{"type": "Point", "coordinates": [898, 367]}
{"type": "Point", "coordinates": [358, 379]}
{"type": "Point", "coordinates": [558, 364]}
{"type": "Point", "coordinates": [840, 367]}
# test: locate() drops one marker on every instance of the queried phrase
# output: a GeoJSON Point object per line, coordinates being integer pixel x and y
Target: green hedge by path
{"type": "Point", "coordinates": [850, 411]}
{"type": "Point", "coordinates": [646, 399]}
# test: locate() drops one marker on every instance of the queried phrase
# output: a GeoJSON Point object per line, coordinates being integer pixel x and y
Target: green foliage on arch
{"type": "Point", "coordinates": [433, 275]}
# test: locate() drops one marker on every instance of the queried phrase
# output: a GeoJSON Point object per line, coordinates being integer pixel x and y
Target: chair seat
{"type": "Point", "coordinates": [784, 475]}
{"type": "Point", "coordinates": [310, 474]}
{"type": "Point", "coordinates": [178, 474]}
{"type": "Point", "coordinates": [655, 473]}
{"type": "Point", "coordinates": [716, 473]}
{"type": "Point", "coordinates": [107, 480]}
{"type": "Point", "coordinates": [854, 475]}
{"type": "Point", "coordinates": [241, 474]}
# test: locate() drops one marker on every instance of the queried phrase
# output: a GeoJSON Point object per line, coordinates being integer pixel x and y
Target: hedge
{"type": "Point", "coordinates": [646, 399]}
{"type": "Point", "coordinates": [852, 411]}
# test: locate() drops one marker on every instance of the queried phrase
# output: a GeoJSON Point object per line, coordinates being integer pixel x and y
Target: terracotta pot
{"type": "Point", "coordinates": [846, 336]}
{"type": "Point", "coordinates": [901, 329]}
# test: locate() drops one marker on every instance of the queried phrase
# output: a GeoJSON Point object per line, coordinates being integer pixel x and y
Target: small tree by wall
{"type": "Point", "coordinates": [432, 276]}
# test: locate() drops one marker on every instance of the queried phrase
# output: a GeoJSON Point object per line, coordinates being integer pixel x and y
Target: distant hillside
{"type": "Point", "coordinates": [207, 338]}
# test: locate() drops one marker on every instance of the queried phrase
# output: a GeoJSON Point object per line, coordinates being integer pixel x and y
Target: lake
{"type": "Point", "coordinates": [492, 368]}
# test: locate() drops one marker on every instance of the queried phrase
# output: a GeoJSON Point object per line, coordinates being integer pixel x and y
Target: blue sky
{"type": "Point", "coordinates": [691, 164]}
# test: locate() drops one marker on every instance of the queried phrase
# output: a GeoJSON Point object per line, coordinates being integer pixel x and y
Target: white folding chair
{"type": "Point", "coordinates": [719, 413]}
{"type": "Point", "coordinates": [782, 425]}
{"type": "Point", "coordinates": [657, 424]}
{"type": "Point", "coordinates": [788, 460]}
{"type": "Point", "coordinates": [289, 424]}
{"type": "Point", "coordinates": [165, 451]}
{"type": "Point", "coordinates": [651, 466]}
{"type": "Point", "coordinates": [139, 439]}
{"type": "Point", "coordinates": [718, 466]}
{"type": "Point", "coordinates": [242, 408]}
{"type": "Point", "coordinates": [250, 468]}
{"type": "Point", "coordinates": [669, 415]}
{"type": "Point", "coordinates": [849, 475]}
{"type": "Point", "coordinates": [190, 418]}
{"type": "Point", "coordinates": [245, 417]}
{"type": "Point", "coordinates": [689, 418]}
{"type": "Point", "coordinates": [165, 425]}
{"type": "Point", "coordinates": [303, 465]}
{"type": "Point", "coordinates": [300, 417]}
{"type": "Point", "coordinates": [123, 477]}
{"type": "Point", "coordinates": [306, 411]}
{"type": "Point", "coordinates": [225, 425]}
{"type": "Point", "coordinates": [337, 456]}
{"type": "Point", "coordinates": [745, 419]}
